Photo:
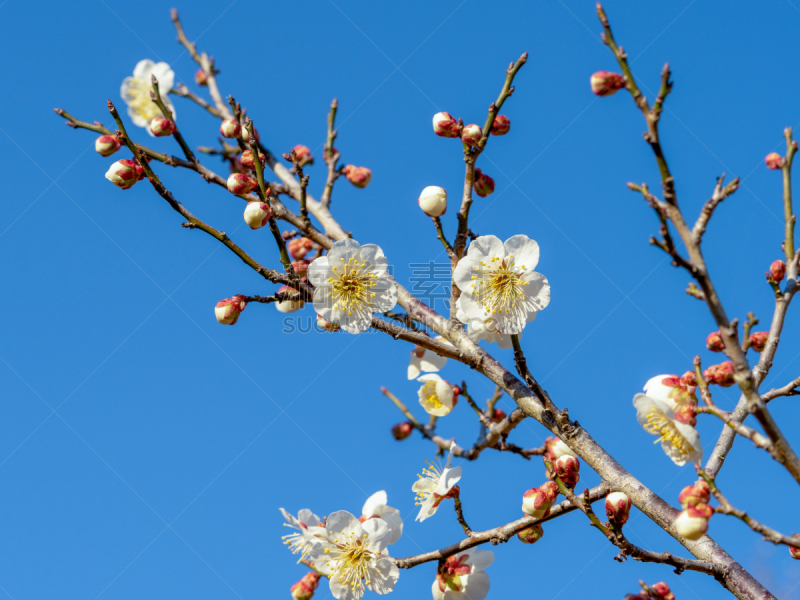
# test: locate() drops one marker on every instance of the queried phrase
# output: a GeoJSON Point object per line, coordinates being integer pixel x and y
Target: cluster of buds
{"type": "Point", "coordinates": [444, 125]}
{"type": "Point", "coordinates": [241, 184]}
{"type": "Point", "coordinates": [714, 342]}
{"type": "Point", "coordinates": [106, 145]}
{"type": "Point", "coordinates": [257, 214]}
{"type": "Point", "coordinates": [618, 508]}
{"type": "Point", "coordinates": [795, 552]}
{"type": "Point", "coordinates": [497, 415]}
{"type": "Point", "coordinates": [532, 534]}
{"type": "Point", "coordinates": [482, 184]}
{"type": "Point", "coordinates": [358, 176]}
{"type": "Point", "coordinates": [433, 201]}
{"type": "Point", "coordinates": [501, 125]}
{"type": "Point", "coordinates": [678, 393]}
{"type": "Point", "coordinates": [162, 127]}
{"type": "Point", "coordinates": [230, 128]}
{"type": "Point", "coordinates": [248, 161]}
{"type": "Point", "coordinates": [774, 161]}
{"type": "Point", "coordinates": [693, 495]}
{"type": "Point", "coordinates": [471, 134]}
{"type": "Point", "coordinates": [402, 430]}
{"type": "Point", "coordinates": [689, 379]}
{"type": "Point", "coordinates": [777, 271]}
{"type": "Point", "coordinates": [124, 173]}
{"type": "Point", "coordinates": [327, 325]}
{"type": "Point", "coordinates": [536, 502]}
{"type": "Point", "coordinates": [292, 300]}
{"type": "Point", "coordinates": [657, 591]}
{"type": "Point", "coordinates": [303, 155]}
{"type": "Point", "coordinates": [304, 589]}
{"type": "Point", "coordinates": [606, 83]}
{"type": "Point", "coordinates": [555, 449]}
{"type": "Point", "coordinates": [758, 340]}
{"type": "Point", "coordinates": [201, 77]}
{"type": "Point", "coordinates": [227, 311]}
{"type": "Point", "coordinates": [721, 374]}
{"type": "Point", "coordinates": [299, 247]}
{"type": "Point", "coordinates": [692, 521]}
{"type": "Point", "coordinates": [567, 469]}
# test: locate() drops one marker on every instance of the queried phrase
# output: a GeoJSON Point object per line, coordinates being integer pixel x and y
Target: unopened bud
{"type": "Point", "coordinates": [227, 311]}
{"type": "Point", "coordinates": [555, 449]}
{"type": "Point", "coordinates": [532, 534]}
{"type": "Point", "coordinates": [692, 523]}
{"type": "Point", "coordinates": [721, 374]}
{"type": "Point", "coordinates": [124, 173]}
{"type": "Point", "coordinates": [299, 247]}
{"type": "Point", "coordinates": [257, 214]}
{"type": "Point", "coordinates": [501, 125]}
{"type": "Point", "coordinates": [795, 552]}
{"type": "Point", "coordinates": [482, 184]}
{"type": "Point", "coordinates": [358, 176]}
{"type": "Point", "coordinates": [497, 416]}
{"type": "Point", "coordinates": [758, 340]}
{"type": "Point", "coordinates": [200, 77]}
{"type": "Point", "coordinates": [661, 591]}
{"type": "Point", "coordinates": [536, 502]}
{"type": "Point", "coordinates": [246, 136]}
{"type": "Point", "coordinates": [247, 159]}
{"type": "Point", "coordinates": [106, 145]}
{"type": "Point", "coordinates": [686, 413]}
{"type": "Point", "coordinates": [774, 161]}
{"type": "Point", "coordinates": [304, 589]}
{"type": "Point", "coordinates": [445, 125]}
{"type": "Point", "coordinates": [293, 303]}
{"type": "Point", "coordinates": [689, 378]}
{"type": "Point", "coordinates": [606, 83]}
{"type": "Point", "coordinates": [230, 128]}
{"type": "Point", "coordinates": [303, 155]}
{"type": "Point", "coordinates": [714, 342]}
{"type": "Point", "coordinates": [402, 430]}
{"type": "Point", "coordinates": [567, 468]}
{"type": "Point", "coordinates": [162, 127]}
{"type": "Point", "coordinates": [618, 508]}
{"type": "Point", "coordinates": [471, 134]}
{"type": "Point", "coordinates": [301, 268]}
{"type": "Point", "coordinates": [240, 184]}
{"type": "Point", "coordinates": [693, 495]}
{"type": "Point", "coordinates": [433, 201]}
{"type": "Point", "coordinates": [778, 270]}
{"type": "Point", "coordinates": [327, 325]}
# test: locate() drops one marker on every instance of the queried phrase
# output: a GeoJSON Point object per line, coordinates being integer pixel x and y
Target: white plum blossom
{"type": "Point", "coordinates": [497, 282]}
{"type": "Point", "coordinates": [376, 507]}
{"type": "Point", "coordinates": [351, 285]}
{"type": "Point", "coordinates": [135, 92]}
{"type": "Point", "coordinates": [679, 441]}
{"type": "Point", "coordinates": [462, 576]}
{"type": "Point", "coordinates": [436, 396]}
{"type": "Point", "coordinates": [353, 556]}
{"type": "Point", "coordinates": [309, 530]}
{"type": "Point", "coordinates": [434, 485]}
{"type": "Point", "coordinates": [478, 330]}
{"type": "Point", "coordinates": [426, 360]}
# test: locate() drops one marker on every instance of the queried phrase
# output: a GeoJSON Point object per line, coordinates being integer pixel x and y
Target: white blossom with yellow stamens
{"type": "Point", "coordinates": [434, 485]}
{"type": "Point", "coordinates": [309, 531]}
{"type": "Point", "coordinates": [354, 556]}
{"type": "Point", "coordinates": [436, 396]}
{"type": "Point", "coordinates": [679, 441]}
{"type": "Point", "coordinates": [351, 285]}
{"type": "Point", "coordinates": [497, 282]}
{"type": "Point", "coordinates": [135, 92]}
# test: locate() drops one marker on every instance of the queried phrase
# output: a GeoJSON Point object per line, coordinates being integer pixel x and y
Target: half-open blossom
{"type": "Point", "coordinates": [606, 83]}
{"type": "Point", "coordinates": [555, 449]}
{"type": "Point", "coordinates": [299, 247]}
{"type": "Point", "coordinates": [462, 576]}
{"type": "Point", "coordinates": [714, 342]}
{"type": "Point", "coordinates": [292, 300]}
{"type": "Point", "coordinates": [136, 90]}
{"type": "Point", "coordinates": [567, 469]}
{"type": "Point", "coordinates": [433, 201]}
{"type": "Point", "coordinates": [230, 128]}
{"type": "Point", "coordinates": [353, 556]}
{"type": "Point", "coordinates": [228, 310]}
{"type": "Point", "coordinates": [758, 340]}
{"type": "Point", "coordinates": [501, 125]}
{"type": "Point", "coordinates": [777, 270]}
{"type": "Point", "coordinates": [124, 173]}
{"type": "Point", "coordinates": [248, 159]}
{"type": "Point", "coordinates": [106, 145]}
{"type": "Point", "coordinates": [436, 395]}
{"type": "Point", "coordinates": [482, 184]}
{"type": "Point", "coordinates": [532, 534]}
{"type": "Point", "coordinates": [424, 360]}
{"type": "Point", "coordinates": [679, 441]}
{"type": "Point", "coordinates": [161, 127]}
{"type": "Point", "coordinates": [692, 495]}
{"type": "Point", "coordinates": [721, 374]}
{"type": "Point", "coordinates": [309, 528]}
{"type": "Point", "coordinates": [351, 285]}
{"type": "Point", "coordinates": [327, 325]}
{"type": "Point", "coordinates": [257, 214]}
{"type": "Point", "coordinates": [434, 485]}
{"type": "Point", "coordinates": [303, 154]}
{"type": "Point", "coordinates": [671, 390]}
{"type": "Point", "coordinates": [376, 508]}
{"type": "Point", "coordinates": [471, 134]}
{"type": "Point", "coordinates": [497, 281]}
{"type": "Point", "coordinates": [444, 125]}
{"type": "Point", "coordinates": [402, 430]}
{"type": "Point", "coordinates": [358, 176]}
{"type": "Point", "coordinates": [305, 588]}
{"type": "Point", "coordinates": [241, 184]}
{"type": "Point", "coordinates": [536, 502]}
{"type": "Point", "coordinates": [774, 161]}
{"type": "Point", "coordinates": [618, 508]}
{"type": "Point", "coordinates": [692, 523]}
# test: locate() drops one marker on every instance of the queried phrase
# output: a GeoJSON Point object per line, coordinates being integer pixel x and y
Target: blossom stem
{"type": "Point", "coordinates": [790, 219]}
{"type": "Point", "coordinates": [155, 96]}
{"type": "Point", "coordinates": [440, 233]}
{"type": "Point", "coordinates": [331, 156]}
{"type": "Point", "coordinates": [460, 515]}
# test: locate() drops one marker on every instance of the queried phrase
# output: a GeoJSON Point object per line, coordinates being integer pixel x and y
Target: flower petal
{"type": "Point", "coordinates": [374, 257]}
{"type": "Point", "coordinates": [343, 590]}
{"type": "Point", "coordinates": [462, 275]}
{"type": "Point", "coordinates": [449, 478]}
{"type": "Point", "coordinates": [319, 271]}
{"type": "Point", "coordinates": [342, 523]}
{"type": "Point", "coordinates": [486, 246]}
{"type": "Point", "coordinates": [524, 250]}
{"type": "Point", "coordinates": [414, 367]}
{"type": "Point", "coordinates": [378, 534]}
{"type": "Point", "coordinates": [479, 559]}
{"type": "Point", "coordinates": [383, 577]}
{"type": "Point", "coordinates": [430, 377]}
{"type": "Point", "coordinates": [476, 586]}
{"type": "Point", "coordinates": [143, 69]}
{"type": "Point", "coordinates": [395, 522]}
{"type": "Point", "coordinates": [385, 296]}
{"type": "Point", "coordinates": [374, 504]}
{"type": "Point", "coordinates": [308, 518]}
{"type": "Point", "coordinates": [165, 76]}
{"type": "Point", "coordinates": [431, 361]}
{"type": "Point", "coordinates": [323, 304]}
{"type": "Point", "coordinates": [343, 250]}
{"type": "Point", "coordinates": [355, 321]}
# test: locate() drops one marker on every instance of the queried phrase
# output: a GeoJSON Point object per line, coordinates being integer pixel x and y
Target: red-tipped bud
{"type": "Point", "coordinates": [774, 161]}
{"type": "Point", "coordinates": [106, 145]}
{"type": "Point", "coordinates": [555, 449]}
{"type": "Point", "coordinates": [301, 268]}
{"type": "Point", "coordinates": [758, 340]}
{"type": "Point", "coordinates": [402, 430]}
{"type": "Point", "coordinates": [445, 125]}
{"type": "Point", "coordinates": [247, 159]}
{"type": "Point", "coordinates": [689, 378]}
{"type": "Point", "coordinates": [606, 83]}
{"type": "Point", "coordinates": [692, 495]}
{"type": "Point", "coordinates": [567, 468]}
{"type": "Point", "coordinates": [303, 155]}
{"type": "Point", "coordinates": [532, 534]}
{"type": "Point", "coordinates": [358, 176]}
{"type": "Point", "coordinates": [795, 552]}
{"type": "Point", "coordinates": [230, 128]}
{"type": "Point", "coordinates": [327, 325]}
{"type": "Point", "coordinates": [618, 508]}
{"type": "Point", "coordinates": [721, 374]}
{"type": "Point", "coordinates": [497, 415]}
{"type": "Point", "coordinates": [292, 303]}
{"type": "Point", "coordinates": [692, 523]}
{"type": "Point", "coordinates": [299, 247]}
{"type": "Point", "coordinates": [471, 134]}
{"type": "Point", "coordinates": [227, 311]}
{"type": "Point", "coordinates": [661, 591]}
{"type": "Point", "coordinates": [304, 589]}
{"type": "Point", "coordinates": [433, 201]}
{"type": "Point", "coordinates": [501, 125]}
{"type": "Point", "coordinates": [257, 214]}
{"type": "Point", "coordinates": [686, 413]}
{"type": "Point", "coordinates": [777, 270]}
{"type": "Point", "coordinates": [162, 127]}
{"type": "Point", "coordinates": [536, 502]}
{"type": "Point", "coordinates": [200, 77]}
{"type": "Point", "coordinates": [482, 184]}
{"type": "Point", "coordinates": [714, 342]}
{"type": "Point", "coordinates": [124, 173]}
{"type": "Point", "coordinates": [240, 184]}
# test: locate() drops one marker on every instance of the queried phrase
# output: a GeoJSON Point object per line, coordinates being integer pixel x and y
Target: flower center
{"type": "Point", "coordinates": [352, 559]}
{"type": "Point", "coordinates": [430, 472]}
{"type": "Point", "coordinates": [137, 96]}
{"type": "Point", "coordinates": [661, 426]}
{"type": "Point", "coordinates": [498, 285]}
{"type": "Point", "coordinates": [352, 283]}
{"type": "Point", "coordinates": [431, 397]}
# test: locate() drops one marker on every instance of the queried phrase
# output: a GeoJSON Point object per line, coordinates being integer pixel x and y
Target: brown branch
{"type": "Point", "coordinates": [790, 389]}
{"type": "Point", "coordinates": [460, 515]}
{"type": "Point", "coordinates": [155, 96]}
{"type": "Point", "coordinates": [184, 92]}
{"type": "Point", "coordinates": [331, 156]}
{"type": "Point", "coordinates": [720, 193]}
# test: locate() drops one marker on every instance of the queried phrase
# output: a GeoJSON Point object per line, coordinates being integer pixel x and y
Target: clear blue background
{"type": "Point", "coordinates": [175, 440]}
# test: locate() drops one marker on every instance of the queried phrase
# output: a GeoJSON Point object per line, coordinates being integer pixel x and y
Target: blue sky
{"type": "Point", "coordinates": [174, 440]}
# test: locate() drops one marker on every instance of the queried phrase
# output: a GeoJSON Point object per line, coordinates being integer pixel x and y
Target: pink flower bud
{"type": "Point", "coordinates": [686, 413]}
{"type": "Point", "coordinates": [227, 311]}
{"type": "Point", "coordinates": [106, 145]}
{"type": "Point", "coordinates": [482, 184]}
{"type": "Point", "coordinates": [605, 83]}
{"type": "Point", "coordinates": [299, 247]}
{"type": "Point", "coordinates": [162, 127]}
{"type": "Point", "coordinates": [433, 201]}
{"type": "Point", "coordinates": [303, 155]}
{"type": "Point", "coordinates": [532, 534]}
{"type": "Point", "coordinates": [301, 268]}
{"type": "Point", "coordinates": [661, 591]}
{"type": "Point", "coordinates": [246, 136]}
{"type": "Point", "coordinates": [124, 173]}
{"type": "Point", "coordinates": [555, 449]}
{"type": "Point", "coordinates": [758, 340]}
{"type": "Point", "coordinates": [200, 77]}
{"type": "Point", "coordinates": [714, 342]}
{"type": "Point", "coordinates": [293, 303]}
{"type": "Point", "coordinates": [257, 214]}
{"type": "Point", "coordinates": [692, 495]}
{"type": "Point", "coordinates": [497, 416]}
{"type": "Point", "coordinates": [774, 161]}
{"type": "Point", "coordinates": [471, 134]}
{"type": "Point", "coordinates": [795, 552]}
{"type": "Point", "coordinates": [721, 374]}
{"type": "Point", "coordinates": [689, 378]}
{"type": "Point", "coordinates": [618, 508]}
{"type": "Point", "coordinates": [501, 125]}
{"type": "Point", "coordinates": [230, 128]}
{"type": "Point", "coordinates": [444, 125]}
{"type": "Point", "coordinates": [304, 589]}
{"type": "Point", "coordinates": [328, 326]}
{"type": "Point", "coordinates": [240, 184]}
{"type": "Point", "coordinates": [358, 176]}
{"type": "Point", "coordinates": [536, 502]}
{"type": "Point", "coordinates": [778, 270]}
{"type": "Point", "coordinates": [692, 523]}
{"type": "Point", "coordinates": [247, 159]}
{"type": "Point", "coordinates": [402, 430]}
{"type": "Point", "coordinates": [567, 468]}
